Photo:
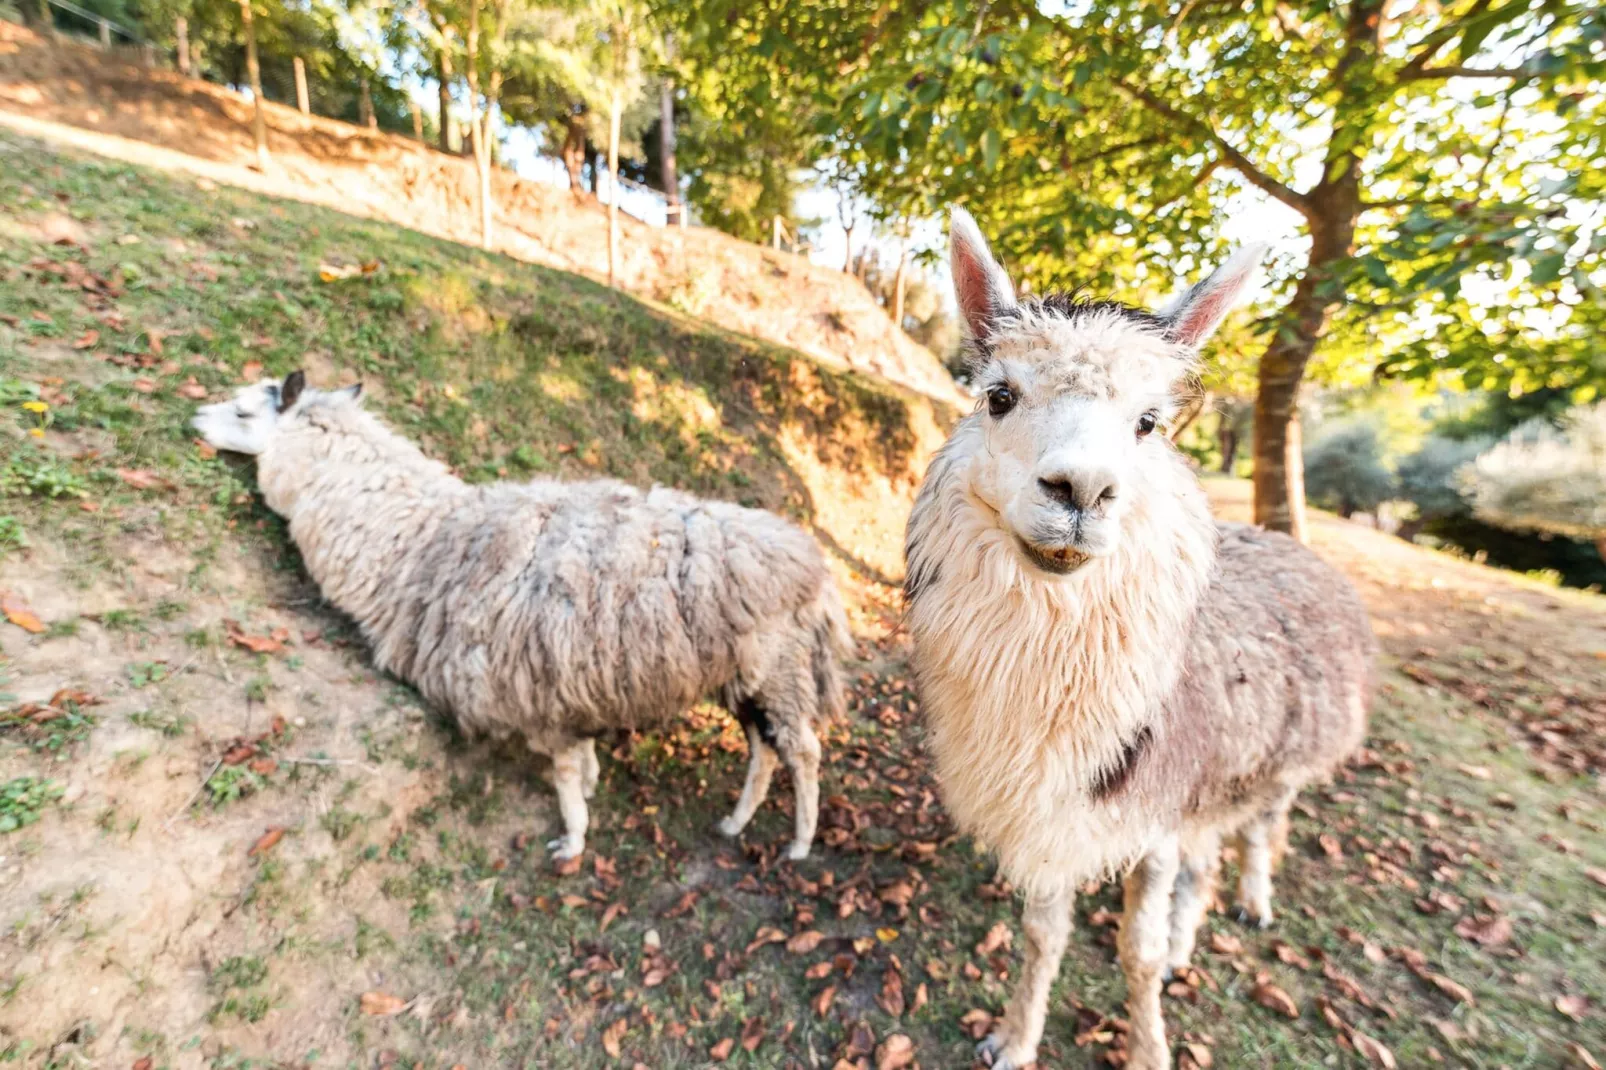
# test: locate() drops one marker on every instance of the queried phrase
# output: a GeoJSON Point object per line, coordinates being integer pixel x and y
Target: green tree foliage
{"type": "Point", "coordinates": [1443, 159]}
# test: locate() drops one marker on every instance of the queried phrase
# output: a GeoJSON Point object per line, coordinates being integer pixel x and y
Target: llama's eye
{"type": "Point", "coordinates": [1146, 423]}
{"type": "Point", "coordinates": [1000, 399]}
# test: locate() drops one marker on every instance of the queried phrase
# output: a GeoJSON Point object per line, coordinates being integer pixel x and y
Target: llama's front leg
{"type": "Point", "coordinates": [1190, 898]}
{"type": "Point", "coordinates": [1047, 921]}
{"type": "Point", "coordinates": [1142, 944]}
{"type": "Point", "coordinates": [568, 777]}
{"type": "Point", "coordinates": [761, 763]}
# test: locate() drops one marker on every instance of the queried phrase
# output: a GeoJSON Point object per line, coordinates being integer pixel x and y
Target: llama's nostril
{"type": "Point", "coordinates": [1081, 490]}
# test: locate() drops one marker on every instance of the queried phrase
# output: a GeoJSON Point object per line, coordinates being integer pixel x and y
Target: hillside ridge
{"type": "Point", "coordinates": [72, 95]}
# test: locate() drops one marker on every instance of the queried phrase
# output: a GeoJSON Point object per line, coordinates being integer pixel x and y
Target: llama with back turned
{"type": "Point", "coordinates": [551, 611]}
{"type": "Point", "coordinates": [1113, 681]}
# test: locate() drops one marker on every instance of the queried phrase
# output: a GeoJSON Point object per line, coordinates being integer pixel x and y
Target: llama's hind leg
{"type": "Point", "coordinates": [568, 777]}
{"type": "Point", "coordinates": [1190, 897]}
{"type": "Point", "coordinates": [1261, 844]}
{"type": "Point", "coordinates": [1142, 945]}
{"type": "Point", "coordinates": [782, 715]}
{"type": "Point", "coordinates": [761, 763]}
{"type": "Point", "coordinates": [1047, 921]}
{"type": "Point", "coordinates": [591, 770]}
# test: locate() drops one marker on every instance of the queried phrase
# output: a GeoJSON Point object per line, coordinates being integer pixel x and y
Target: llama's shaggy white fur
{"type": "Point", "coordinates": [1113, 682]}
{"type": "Point", "coordinates": [553, 611]}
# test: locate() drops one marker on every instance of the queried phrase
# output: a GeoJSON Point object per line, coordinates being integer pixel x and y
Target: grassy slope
{"type": "Point", "coordinates": [503, 367]}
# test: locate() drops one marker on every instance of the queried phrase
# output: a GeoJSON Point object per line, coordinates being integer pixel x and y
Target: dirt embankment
{"type": "Point", "coordinates": [74, 95]}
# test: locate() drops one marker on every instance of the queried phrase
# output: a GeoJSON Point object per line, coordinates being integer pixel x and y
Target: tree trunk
{"type": "Point", "coordinates": [574, 152]}
{"type": "Point", "coordinates": [181, 30]}
{"type": "Point", "coordinates": [847, 254]}
{"type": "Point", "coordinates": [259, 123]}
{"type": "Point", "coordinates": [1600, 547]}
{"type": "Point", "coordinates": [1227, 442]}
{"type": "Point", "coordinates": [614, 107]}
{"type": "Point", "coordinates": [365, 106]}
{"type": "Point", "coordinates": [479, 123]}
{"type": "Point", "coordinates": [47, 22]}
{"type": "Point", "coordinates": [666, 149]}
{"type": "Point", "coordinates": [303, 98]}
{"type": "Point", "coordinates": [898, 281]}
{"type": "Point", "coordinates": [1332, 206]}
{"type": "Point", "coordinates": [443, 72]}
{"type": "Point", "coordinates": [418, 118]}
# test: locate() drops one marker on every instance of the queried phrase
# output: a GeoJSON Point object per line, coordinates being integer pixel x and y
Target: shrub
{"type": "Point", "coordinates": [1428, 478]}
{"type": "Point", "coordinates": [1546, 479]}
{"type": "Point", "coordinates": [1344, 469]}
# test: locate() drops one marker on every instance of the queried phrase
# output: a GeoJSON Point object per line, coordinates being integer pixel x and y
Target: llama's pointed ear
{"type": "Point", "coordinates": [352, 392]}
{"type": "Point", "coordinates": [290, 390]}
{"type": "Point", "coordinates": [1193, 315]}
{"type": "Point", "coordinates": [981, 288]}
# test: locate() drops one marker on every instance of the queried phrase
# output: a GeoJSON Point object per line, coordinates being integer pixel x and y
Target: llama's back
{"type": "Point", "coordinates": [1278, 677]}
{"type": "Point", "coordinates": [558, 610]}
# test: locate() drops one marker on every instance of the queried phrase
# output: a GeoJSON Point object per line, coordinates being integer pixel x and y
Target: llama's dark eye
{"type": "Point", "coordinates": [1000, 399]}
{"type": "Point", "coordinates": [1146, 423]}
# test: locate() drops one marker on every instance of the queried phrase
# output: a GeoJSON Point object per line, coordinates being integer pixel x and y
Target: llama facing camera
{"type": "Point", "coordinates": [1113, 681]}
{"type": "Point", "coordinates": [551, 611]}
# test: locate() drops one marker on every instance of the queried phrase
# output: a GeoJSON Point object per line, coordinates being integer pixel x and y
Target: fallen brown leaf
{"type": "Point", "coordinates": [1585, 1060]}
{"type": "Point", "coordinates": [766, 935]}
{"type": "Point", "coordinates": [1195, 1057]}
{"type": "Point", "coordinates": [804, 942]}
{"type": "Point", "coordinates": [87, 340]}
{"type": "Point", "coordinates": [752, 1034]}
{"type": "Point", "coordinates": [192, 390]}
{"type": "Point", "coordinates": [1273, 998]}
{"type": "Point", "coordinates": [1484, 930]}
{"type": "Point", "coordinates": [1373, 1050]}
{"type": "Point", "coordinates": [18, 613]}
{"type": "Point", "coordinates": [266, 842]}
{"type": "Point", "coordinates": [612, 1035]}
{"type": "Point", "coordinates": [823, 1001]}
{"type": "Point", "coordinates": [895, 1053]}
{"type": "Point", "coordinates": [722, 1051]}
{"type": "Point", "coordinates": [610, 915]}
{"type": "Point", "coordinates": [142, 478]}
{"type": "Point", "coordinates": [382, 1004]}
{"type": "Point", "coordinates": [1225, 944]}
{"type": "Point", "coordinates": [977, 1023]}
{"type": "Point", "coordinates": [1573, 1006]}
{"type": "Point", "coordinates": [998, 938]}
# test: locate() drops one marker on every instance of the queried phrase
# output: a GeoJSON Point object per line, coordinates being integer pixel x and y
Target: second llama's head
{"type": "Point", "coordinates": [1075, 394]}
{"type": "Point", "coordinates": [249, 422]}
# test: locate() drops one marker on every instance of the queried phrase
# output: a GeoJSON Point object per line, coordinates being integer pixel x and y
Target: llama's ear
{"type": "Point", "coordinates": [1193, 315]}
{"type": "Point", "coordinates": [351, 393]}
{"type": "Point", "coordinates": [981, 288]}
{"type": "Point", "coordinates": [290, 390]}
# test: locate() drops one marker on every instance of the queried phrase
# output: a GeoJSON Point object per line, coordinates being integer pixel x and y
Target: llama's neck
{"type": "Point", "coordinates": [1050, 679]}
{"type": "Point", "coordinates": [331, 442]}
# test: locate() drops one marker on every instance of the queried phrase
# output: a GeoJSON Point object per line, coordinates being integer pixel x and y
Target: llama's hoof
{"type": "Point", "coordinates": [563, 848]}
{"type": "Point", "coordinates": [1256, 921]}
{"type": "Point", "coordinates": [731, 828]}
{"type": "Point", "coordinates": [1001, 1053]}
{"type": "Point", "coordinates": [798, 851]}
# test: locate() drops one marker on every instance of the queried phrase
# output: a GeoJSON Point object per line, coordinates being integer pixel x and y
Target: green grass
{"type": "Point", "coordinates": [504, 369]}
{"type": "Point", "coordinates": [23, 799]}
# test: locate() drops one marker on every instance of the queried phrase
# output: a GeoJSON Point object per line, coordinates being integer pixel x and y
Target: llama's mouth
{"type": "Point", "coordinates": [1055, 560]}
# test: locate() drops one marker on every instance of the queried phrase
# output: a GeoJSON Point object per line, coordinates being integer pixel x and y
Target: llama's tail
{"type": "Point", "coordinates": [832, 641]}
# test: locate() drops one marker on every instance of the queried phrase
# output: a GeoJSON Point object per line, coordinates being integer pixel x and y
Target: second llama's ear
{"type": "Point", "coordinates": [1193, 316]}
{"type": "Point", "coordinates": [352, 392]}
{"type": "Point", "coordinates": [290, 389]}
{"type": "Point", "coordinates": [981, 288]}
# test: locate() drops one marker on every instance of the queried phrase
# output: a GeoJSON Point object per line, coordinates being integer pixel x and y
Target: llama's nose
{"type": "Point", "coordinates": [1080, 489]}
